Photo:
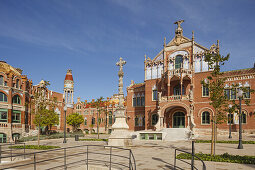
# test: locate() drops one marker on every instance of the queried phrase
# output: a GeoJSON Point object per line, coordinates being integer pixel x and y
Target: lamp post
{"type": "Point", "coordinates": [240, 95]}
{"type": "Point", "coordinates": [65, 108]}
{"type": "Point", "coordinates": [230, 120]}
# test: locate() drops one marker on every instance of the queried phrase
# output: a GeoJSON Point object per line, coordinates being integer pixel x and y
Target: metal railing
{"type": "Point", "coordinates": [83, 155]}
{"type": "Point", "coordinates": [192, 166]}
{"type": "Point", "coordinates": [10, 152]}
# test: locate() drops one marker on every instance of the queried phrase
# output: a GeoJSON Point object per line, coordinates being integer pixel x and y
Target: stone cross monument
{"type": "Point", "coordinates": [120, 135]}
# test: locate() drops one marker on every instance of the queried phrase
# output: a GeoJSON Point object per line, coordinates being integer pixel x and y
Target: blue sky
{"type": "Point", "coordinates": [47, 37]}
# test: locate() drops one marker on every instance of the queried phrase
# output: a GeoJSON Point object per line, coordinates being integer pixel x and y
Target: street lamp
{"type": "Point", "coordinates": [65, 108]}
{"type": "Point", "coordinates": [230, 120]}
{"type": "Point", "coordinates": [240, 95]}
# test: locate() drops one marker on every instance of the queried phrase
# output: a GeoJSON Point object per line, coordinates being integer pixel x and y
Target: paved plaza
{"type": "Point", "coordinates": [149, 155]}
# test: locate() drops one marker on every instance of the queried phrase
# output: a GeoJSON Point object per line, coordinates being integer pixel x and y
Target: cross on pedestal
{"type": "Point", "coordinates": [121, 63]}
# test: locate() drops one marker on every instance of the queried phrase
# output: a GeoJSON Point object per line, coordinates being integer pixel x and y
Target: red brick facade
{"type": "Point", "coordinates": [174, 78]}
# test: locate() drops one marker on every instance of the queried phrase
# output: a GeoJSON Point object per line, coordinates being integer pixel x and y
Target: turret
{"type": "Point", "coordinates": [68, 89]}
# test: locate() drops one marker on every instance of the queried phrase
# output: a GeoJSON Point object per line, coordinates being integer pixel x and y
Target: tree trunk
{"type": "Point", "coordinates": [97, 126]}
{"type": "Point", "coordinates": [38, 137]}
{"type": "Point", "coordinates": [212, 142]}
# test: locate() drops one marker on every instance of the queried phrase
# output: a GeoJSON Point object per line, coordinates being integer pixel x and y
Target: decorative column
{"type": "Point", "coordinates": [120, 135]}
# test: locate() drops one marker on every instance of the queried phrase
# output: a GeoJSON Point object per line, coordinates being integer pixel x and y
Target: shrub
{"type": "Point", "coordinates": [223, 141]}
{"type": "Point", "coordinates": [40, 147]}
{"type": "Point", "coordinates": [220, 158]}
{"type": "Point", "coordinates": [93, 140]}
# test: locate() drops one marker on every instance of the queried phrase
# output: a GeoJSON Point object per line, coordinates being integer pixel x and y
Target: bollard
{"type": "Point", "coordinates": [0, 153]}
{"type": "Point", "coordinates": [87, 157]}
{"type": "Point", "coordinates": [76, 137]}
{"type": "Point", "coordinates": [110, 167]}
{"type": "Point", "coordinates": [24, 151]}
{"type": "Point", "coordinates": [34, 162]}
{"type": "Point", "coordinates": [192, 159]}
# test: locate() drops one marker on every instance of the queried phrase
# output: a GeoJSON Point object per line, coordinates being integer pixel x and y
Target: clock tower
{"type": "Point", "coordinates": [68, 89]}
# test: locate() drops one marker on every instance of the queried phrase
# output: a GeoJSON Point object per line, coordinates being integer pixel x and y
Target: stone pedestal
{"type": "Point", "coordinates": [120, 135]}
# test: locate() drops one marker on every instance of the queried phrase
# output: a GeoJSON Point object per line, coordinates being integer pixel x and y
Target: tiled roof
{"type": "Point", "coordinates": [137, 85]}
{"type": "Point", "coordinates": [239, 72]}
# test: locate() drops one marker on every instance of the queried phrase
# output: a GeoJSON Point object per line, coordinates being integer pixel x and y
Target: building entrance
{"type": "Point", "coordinates": [179, 120]}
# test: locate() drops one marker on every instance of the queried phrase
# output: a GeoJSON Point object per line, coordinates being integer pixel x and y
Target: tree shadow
{"type": "Point", "coordinates": [166, 164]}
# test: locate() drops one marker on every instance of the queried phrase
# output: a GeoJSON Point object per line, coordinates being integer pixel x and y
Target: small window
{"type": "Point", "coordinates": [233, 94]}
{"type": "Point", "coordinates": [154, 119]}
{"type": "Point", "coordinates": [85, 121]}
{"type": "Point", "coordinates": [244, 118]}
{"type": "Point", "coordinates": [205, 118]}
{"type": "Point", "coordinates": [1, 80]}
{"type": "Point", "coordinates": [110, 119]}
{"type": "Point", "coordinates": [93, 121]}
{"type": "Point", "coordinates": [17, 83]}
{"type": "Point", "coordinates": [16, 116]}
{"type": "Point", "coordinates": [16, 99]}
{"type": "Point", "coordinates": [134, 101]}
{"type": "Point", "coordinates": [3, 115]}
{"type": "Point", "coordinates": [2, 138]}
{"type": "Point", "coordinates": [230, 118]}
{"type": "Point", "coordinates": [155, 95]}
{"type": "Point", "coordinates": [246, 94]}
{"type": "Point", "coordinates": [138, 99]}
{"type": "Point", "coordinates": [227, 93]}
{"type": "Point", "coordinates": [205, 91]}
{"type": "Point", "coordinates": [3, 97]}
{"type": "Point", "coordinates": [143, 101]}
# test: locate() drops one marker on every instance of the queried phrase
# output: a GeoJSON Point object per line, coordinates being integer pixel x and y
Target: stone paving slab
{"type": "Point", "coordinates": [154, 155]}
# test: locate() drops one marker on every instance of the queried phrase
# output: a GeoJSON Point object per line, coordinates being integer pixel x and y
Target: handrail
{"type": "Point", "coordinates": [88, 160]}
{"type": "Point", "coordinates": [192, 158]}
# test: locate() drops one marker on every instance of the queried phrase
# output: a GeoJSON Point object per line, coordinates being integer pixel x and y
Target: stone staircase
{"type": "Point", "coordinates": [175, 134]}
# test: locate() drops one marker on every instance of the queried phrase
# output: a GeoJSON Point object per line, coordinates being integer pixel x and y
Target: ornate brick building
{"type": "Point", "coordinates": [172, 96]}
{"type": "Point", "coordinates": [15, 92]}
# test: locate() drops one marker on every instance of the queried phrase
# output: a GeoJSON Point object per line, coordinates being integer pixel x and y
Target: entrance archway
{"type": "Point", "coordinates": [179, 120]}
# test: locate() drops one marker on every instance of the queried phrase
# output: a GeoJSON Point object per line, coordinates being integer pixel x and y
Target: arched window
{"type": "Point", "coordinates": [17, 83]}
{"type": "Point", "coordinates": [2, 138]}
{"type": "Point", "coordinates": [154, 119]}
{"type": "Point", "coordinates": [178, 61]}
{"type": "Point", "coordinates": [93, 121]}
{"type": "Point", "coordinates": [177, 90]}
{"type": "Point", "coordinates": [244, 117]}
{"type": "Point", "coordinates": [16, 99]}
{"type": "Point", "coordinates": [85, 121]}
{"type": "Point", "coordinates": [110, 119]}
{"type": "Point", "coordinates": [1, 80]}
{"type": "Point", "coordinates": [205, 118]}
{"type": "Point", "coordinates": [3, 97]}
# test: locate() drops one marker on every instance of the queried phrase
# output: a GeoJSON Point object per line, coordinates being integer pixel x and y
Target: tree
{"type": "Point", "coordinates": [51, 119]}
{"type": "Point", "coordinates": [74, 119]}
{"type": "Point", "coordinates": [98, 104]}
{"type": "Point", "coordinates": [40, 102]}
{"type": "Point", "coordinates": [216, 90]}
